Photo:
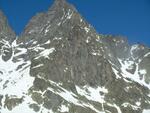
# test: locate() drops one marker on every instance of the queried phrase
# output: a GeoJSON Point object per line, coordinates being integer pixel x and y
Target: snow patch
{"type": "Point", "coordinates": [146, 111]}
{"type": "Point", "coordinates": [46, 53]}
{"type": "Point", "coordinates": [147, 54]}
{"type": "Point", "coordinates": [86, 29]}
{"type": "Point", "coordinates": [135, 77]}
{"type": "Point", "coordinates": [15, 82]}
{"type": "Point", "coordinates": [64, 108]}
{"type": "Point", "coordinates": [143, 72]}
{"type": "Point", "coordinates": [92, 93]}
{"type": "Point", "coordinates": [69, 14]}
{"type": "Point", "coordinates": [47, 29]}
{"type": "Point", "coordinates": [40, 65]}
{"type": "Point", "coordinates": [133, 106]}
{"type": "Point", "coordinates": [138, 103]}
{"type": "Point", "coordinates": [48, 42]}
{"type": "Point", "coordinates": [14, 78]}
{"type": "Point", "coordinates": [116, 73]}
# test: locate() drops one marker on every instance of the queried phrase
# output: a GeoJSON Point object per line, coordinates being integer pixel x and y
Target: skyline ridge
{"type": "Point", "coordinates": [132, 38]}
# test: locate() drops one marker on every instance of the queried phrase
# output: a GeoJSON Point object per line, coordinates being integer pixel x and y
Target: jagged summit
{"type": "Point", "coordinates": [2, 20]}
{"type": "Point", "coordinates": [61, 16]}
{"type": "Point", "coordinates": [58, 2]}
{"type": "Point", "coordinates": [61, 4]}
{"type": "Point", "coordinates": [5, 30]}
{"type": "Point", "coordinates": [1, 14]}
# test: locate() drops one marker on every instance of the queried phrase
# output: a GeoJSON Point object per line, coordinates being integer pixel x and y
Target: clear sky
{"type": "Point", "coordinates": [129, 18]}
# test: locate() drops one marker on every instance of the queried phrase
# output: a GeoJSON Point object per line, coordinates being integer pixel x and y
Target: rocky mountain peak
{"type": "Point", "coordinates": [60, 4]}
{"type": "Point", "coordinates": [61, 19]}
{"type": "Point", "coordinates": [60, 64]}
{"type": "Point", "coordinates": [5, 30]}
{"type": "Point", "coordinates": [7, 36]}
{"type": "Point", "coordinates": [1, 15]}
{"type": "Point", "coordinates": [3, 21]}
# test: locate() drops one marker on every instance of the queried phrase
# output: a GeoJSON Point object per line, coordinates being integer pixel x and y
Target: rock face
{"type": "Point", "coordinates": [60, 64]}
{"type": "Point", "coordinates": [6, 38]}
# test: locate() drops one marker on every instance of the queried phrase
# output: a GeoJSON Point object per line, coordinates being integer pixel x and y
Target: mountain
{"type": "Point", "coordinates": [60, 64]}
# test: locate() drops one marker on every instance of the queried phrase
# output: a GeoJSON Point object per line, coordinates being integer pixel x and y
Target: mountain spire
{"type": "Point", "coordinates": [60, 4]}
{"type": "Point", "coordinates": [2, 18]}
{"type": "Point", "coordinates": [1, 13]}
{"type": "Point", "coordinates": [60, 1]}
{"type": "Point", "coordinates": [5, 30]}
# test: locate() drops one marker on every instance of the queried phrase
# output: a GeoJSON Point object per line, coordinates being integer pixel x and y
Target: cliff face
{"type": "Point", "coordinates": [60, 64]}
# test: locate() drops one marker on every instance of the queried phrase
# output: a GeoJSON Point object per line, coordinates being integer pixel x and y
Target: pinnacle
{"type": "Point", "coordinates": [60, 4]}
{"type": "Point", "coordinates": [2, 17]}
{"type": "Point", "coordinates": [60, 1]}
{"type": "Point", "coordinates": [1, 13]}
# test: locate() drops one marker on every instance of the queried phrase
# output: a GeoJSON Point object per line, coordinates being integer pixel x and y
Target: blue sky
{"type": "Point", "coordinates": [129, 18]}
